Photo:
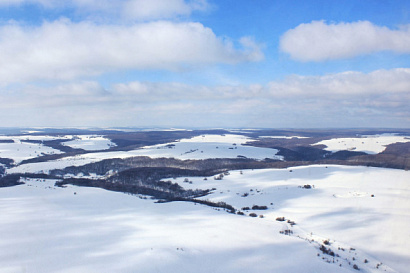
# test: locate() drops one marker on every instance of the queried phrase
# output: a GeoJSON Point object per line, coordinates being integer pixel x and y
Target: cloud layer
{"type": "Point", "coordinates": [319, 41]}
{"type": "Point", "coordinates": [66, 50]}
{"type": "Point", "coordinates": [130, 9]}
{"type": "Point", "coordinates": [379, 98]}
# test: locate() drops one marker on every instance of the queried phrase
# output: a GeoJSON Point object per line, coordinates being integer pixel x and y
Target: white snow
{"type": "Point", "coordinates": [222, 139]}
{"type": "Point", "coordinates": [90, 143]}
{"type": "Point", "coordinates": [340, 207]}
{"type": "Point", "coordinates": [73, 229]}
{"type": "Point", "coordinates": [201, 147]}
{"type": "Point", "coordinates": [283, 137]}
{"type": "Point", "coordinates": [36, 137]}
{"type": "Point", "coordinates": [371, 144]}
{"type": "Point", "coordinates": [20, 150]}
{"type": "Point", "coordinates": [210, 146]}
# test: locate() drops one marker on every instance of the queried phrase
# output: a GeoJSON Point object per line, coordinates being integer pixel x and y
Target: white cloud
{"type": "Point", "coordinates": [319, 41]}
{"type": "Point", "coordinates": [65, 50]}
{"type": "Point", "coordinates": [143, 9]}
{"type": "Point", "coordinates": [130, 9]}
{"type": "Point", "coordinates": [379, 98]}
{"type": "Point", "coordinates": [45, 3]}
{"type": "Point", "coordinates": [344, 84]}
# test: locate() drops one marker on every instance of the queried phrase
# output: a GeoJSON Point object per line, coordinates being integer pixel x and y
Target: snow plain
{"type": "Point", "coordinates": [283, 137]}
{"type": "Point", "coordinates": [73, 229]}
{"type": "Point", "coordinates": [340, 207]}
{"type": "Point", "coordinates": [371, 144]}
{"type": "Point", "coordinates": [201, 147]}
{"type": "Point", "coordinates": [20, 150]}
{"type": "Point", "coordinates": [90, 143]}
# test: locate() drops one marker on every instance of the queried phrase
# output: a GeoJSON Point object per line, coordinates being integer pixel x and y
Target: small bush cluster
{"type": "Point", "coordinates": [307, 186]}
{"type": "Point", "coordinates": [292, 223]}
{"type": "Point", "coordinates": [286, 232]}
{"type": "Point", "coordinates": [256, 207]}
{"type": "Point", "coordinates": [326, 250]}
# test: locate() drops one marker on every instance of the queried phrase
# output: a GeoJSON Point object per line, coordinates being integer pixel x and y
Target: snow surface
{"type": "Point", "coordinates": [211, 146]}
{"type": "Point", "coordinates": [283, 137]}
{"type": "Point", "coordinates": [371, 144]}
{"type": "Point", "coordinates": [73, 229]}
{"type": "Point", "coordinates": [36, 137]}
{"type": "Point", "coordinates": [90, 143]}
{"type": "Point", "coordinates": [201, 147]}
{"type": "Point", "coordinates": [20, 150]}
{"type": "Point", "coordinates": [340, 207]}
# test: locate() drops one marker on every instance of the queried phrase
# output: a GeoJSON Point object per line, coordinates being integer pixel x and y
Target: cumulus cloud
{"type": "Point", "coordinates": [131, 9]}
{"type": "Point", "coordinates": [320, 41]}
{"type": "Point", "coordinates": [378, 98]}
{"type": "Point", "coordinates": [65, 50]}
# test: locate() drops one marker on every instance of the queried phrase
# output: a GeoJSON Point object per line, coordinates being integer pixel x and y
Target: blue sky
{"type": "Point", "coordinates": [204, 63]}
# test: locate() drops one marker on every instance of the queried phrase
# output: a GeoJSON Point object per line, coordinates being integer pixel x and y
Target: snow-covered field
{"type": "Point", "coordinates": [372, 144]}
{"type": "Point", "coordinates": [90, 143]}
{"type": "Point", "coordinates": [20, 150]}
{"type": "Point", "coordinates": [283, 137]}
{"type": "Point", "coordinates": [73, 229]}
{"type": "Point", "coordinates": [364, 214]}
{"type": "Point", "coordinates": [211, 146]}
{"type": "Point", "coordinates": [201, 147]}
{"type": "Point", "coordinates": [340, 207]}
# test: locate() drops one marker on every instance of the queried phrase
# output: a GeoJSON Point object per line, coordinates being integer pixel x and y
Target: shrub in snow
{"type": "Point", "coordinates": [327, 251]}
{"type": "Point", "coordinates": [253, 214]}
{"type": "Point", "coordinates": [280, 219]}
{"type": "Point", "coordinates": [292, 223]}
{"type": "Point", "coordinates": [256, 207]}
{"type": "Point", "coordinates": [286, 232]}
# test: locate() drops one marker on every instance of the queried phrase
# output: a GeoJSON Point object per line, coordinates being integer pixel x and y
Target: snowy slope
{"type": "Point", "coordinates": [211, 146]}
{"type": "Point", "coordinates": [372, 144]}
{"type": "Point", "coordinates": [19, 150]}
{"type": "Point", "coordinates": [90, 143]}
{"type": "Point", "coordinates": [202, 147]}
{"type": "Point", "coordinates": [47, 229]}
{"type": "Point", "coordinates": [340, 207]}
